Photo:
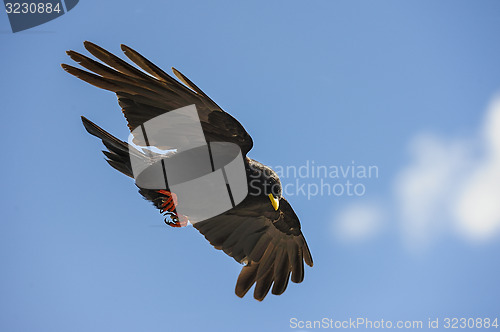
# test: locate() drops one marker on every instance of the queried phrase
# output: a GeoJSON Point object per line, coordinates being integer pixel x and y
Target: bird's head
{"type": "Point", "coordinates": [263, 181]}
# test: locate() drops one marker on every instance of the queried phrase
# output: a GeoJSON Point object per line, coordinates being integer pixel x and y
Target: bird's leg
{"type": "Point", "coordinates": [167, 208]}
{"type": "Point", "coordinates": [169, 201]}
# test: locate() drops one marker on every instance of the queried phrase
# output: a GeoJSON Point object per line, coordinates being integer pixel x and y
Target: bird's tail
{"type": "Point", "coordinates": [118, 154]}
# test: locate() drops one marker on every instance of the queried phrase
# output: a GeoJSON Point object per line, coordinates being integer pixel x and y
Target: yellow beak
{"type": "Point", "coordinates": [274, 201]}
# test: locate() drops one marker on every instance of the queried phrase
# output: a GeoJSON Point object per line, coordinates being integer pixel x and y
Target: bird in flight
{"type": "Point", "coordinates": [262, 232]}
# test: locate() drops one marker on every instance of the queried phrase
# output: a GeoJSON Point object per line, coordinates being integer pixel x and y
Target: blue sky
{"type": "Point", "coordinates": [410, 87]}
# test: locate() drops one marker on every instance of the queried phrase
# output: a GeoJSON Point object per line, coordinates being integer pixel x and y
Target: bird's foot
{"type": "Point", "coordinates": [175, 221]}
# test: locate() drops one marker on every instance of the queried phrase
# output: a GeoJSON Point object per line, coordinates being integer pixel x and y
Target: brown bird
{"type": "Point", "coordinates": [262, 232]}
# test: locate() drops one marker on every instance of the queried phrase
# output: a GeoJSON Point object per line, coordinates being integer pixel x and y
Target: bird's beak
{"type": "Point", "coordinates": [274, 201]}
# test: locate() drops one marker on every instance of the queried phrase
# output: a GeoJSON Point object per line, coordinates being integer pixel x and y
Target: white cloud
{"type": "Point", "coordinates": [424, 191]}
{"type": "Point", "coordinates": [452, 185]}
{"type": "Point", "coordinates": [358, 222]}
{"type": "Point", "coordinates": [477, 208]}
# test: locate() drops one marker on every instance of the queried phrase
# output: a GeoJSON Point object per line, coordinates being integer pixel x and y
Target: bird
{"type": "Point", "coordinates": [262, 232]}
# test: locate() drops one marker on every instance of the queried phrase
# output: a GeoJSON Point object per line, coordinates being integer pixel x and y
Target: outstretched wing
{"type": "Point", "coordinates": [269, 242]}
{"type": "Point", "coordinates": [150, 92]}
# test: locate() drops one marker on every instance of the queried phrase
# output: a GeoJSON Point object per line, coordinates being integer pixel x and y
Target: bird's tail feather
{"type": "Point", "coordinates": [118, 154]}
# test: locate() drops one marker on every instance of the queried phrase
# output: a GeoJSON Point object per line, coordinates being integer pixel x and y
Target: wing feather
{"type": "Point", "coordinates": [246, 279]}
{"type": "Point", "coordinates": [263, 285]}
{"type": "Point", "coordinates": [148, 92]}
{"type": "Point", "coordinates": [273, 253]}
{"type": "Point", "coordinates": [281, 271]}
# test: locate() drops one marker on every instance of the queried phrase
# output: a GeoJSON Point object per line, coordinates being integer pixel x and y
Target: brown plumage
{"type": "Point", "coordinates": [267, 239]}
